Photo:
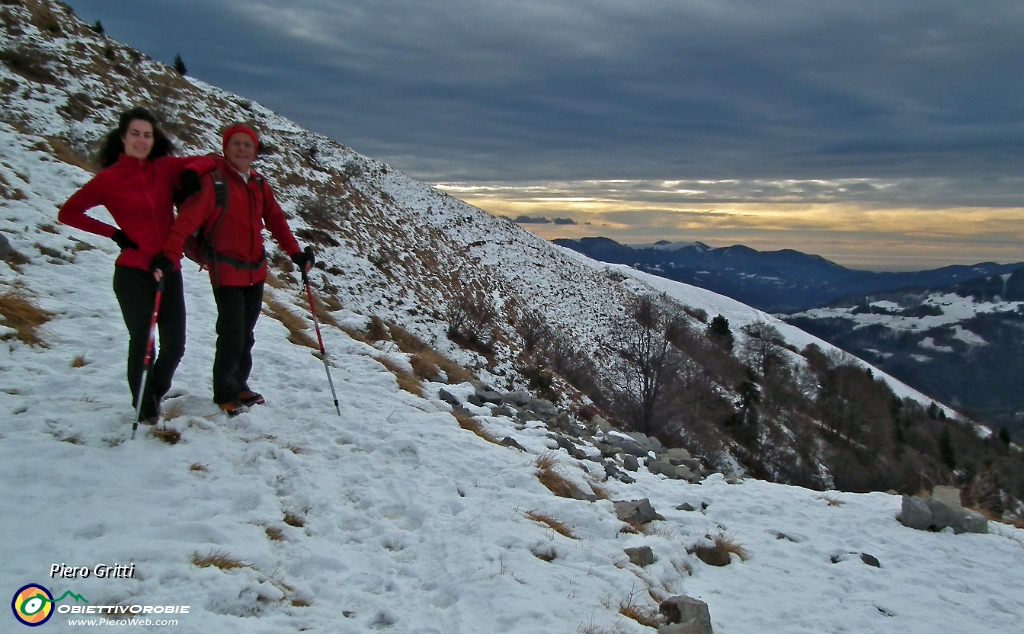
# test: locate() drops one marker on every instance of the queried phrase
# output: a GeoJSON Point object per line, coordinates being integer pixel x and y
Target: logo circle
{"type": "Point", "coordinates": [32, 605]}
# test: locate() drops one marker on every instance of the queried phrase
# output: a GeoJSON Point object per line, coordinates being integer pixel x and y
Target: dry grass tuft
{"type": "Point", "coordinates": [470, 423]}
{"type": "Point", "coordinates": [425, 360]}
{"type": "Point", "coordinates": [74, 439]}
{"type": "Point", "coordinates": [291, 519]}
{"type": "Point", "coordinates": [22, 314]}
{"type": "Point", "coordinates": [378, 330]}
{"type": "Point", "coordinates": [296, 325]}
{"type": "Point", "coordinates": [423, 367]}
{"type": "Point", "coordinates": [555, 525]}
{"type": "Point", "coordinates": [301, 603]}
{"type": "Point", "coordinates": [79, 361]}
{"type": "Point", "coordinates": [217, 559]}
{"type": "Point", "coordinates": [274, 533]}
{"type": "Point", "coordinates": [175, 411]}
{"type": "Point", "coordinates": [646, 616]}
{"type": "Point", "coordinates": [197, 466]}
{"type": "Point", "coordinates": [169, 436]}
{"type": "Point", "coordinates": [273, 281]}
{"type": "Point", "coordinates": [719, 554]}
{"type": "Point", "coordinates": [16, 260]}
{"type": "Point", "coordinates": [831, 500]}
{"type": "Point", "coordinates": [406, 380]}
{"type": "Point", "coordinates": [548, 475]}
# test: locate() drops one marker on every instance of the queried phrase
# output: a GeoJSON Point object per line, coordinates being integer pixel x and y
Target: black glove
{"type": "Point", "coordinates": [123, 241]}
{"type": "Point", "coordinates": [188, 185]}
{"type": "Point", "coordinates": [303, 258]}
{"type": "Point", "coordinates": [161, 263]}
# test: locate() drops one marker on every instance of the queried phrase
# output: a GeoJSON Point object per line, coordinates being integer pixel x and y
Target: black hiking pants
{"type": "Point", "coordinates": [136, 293]}
{"type": "Point", "coordinates": [238, 308]}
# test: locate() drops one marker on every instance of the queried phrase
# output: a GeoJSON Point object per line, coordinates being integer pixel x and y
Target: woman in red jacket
{"type": "Point", "coordinates": [137, 186]}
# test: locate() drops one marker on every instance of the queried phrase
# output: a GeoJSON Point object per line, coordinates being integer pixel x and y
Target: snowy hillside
{"type": "Point", "coordinates": [395, 516]}
{"type": "Point", "coordinates": [392, 518]}
{"type": "Point", "coordinates": [960, 344]}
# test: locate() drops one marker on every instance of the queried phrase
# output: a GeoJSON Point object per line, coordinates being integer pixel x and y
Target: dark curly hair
{"type": "Point", "coordinates": [113, 147]}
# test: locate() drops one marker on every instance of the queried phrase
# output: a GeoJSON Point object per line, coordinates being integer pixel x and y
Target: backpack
{"type": "Point", "coordinates": [199, 245]}
{"type": "Point", "coordinates": [200, 248]}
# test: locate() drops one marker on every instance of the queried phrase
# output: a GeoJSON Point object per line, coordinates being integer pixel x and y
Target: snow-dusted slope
{"type": "Point", "coordinates": [392, 518]}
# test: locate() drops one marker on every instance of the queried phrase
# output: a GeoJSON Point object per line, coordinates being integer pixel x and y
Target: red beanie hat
{"type": "Point", "coordinates": [235, 129]}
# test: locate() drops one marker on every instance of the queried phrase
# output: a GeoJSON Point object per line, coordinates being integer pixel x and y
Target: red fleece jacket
{"type": "Point", "coordinates": [239, 235]}
{"type": "Point", "coordinates": [138, 193]}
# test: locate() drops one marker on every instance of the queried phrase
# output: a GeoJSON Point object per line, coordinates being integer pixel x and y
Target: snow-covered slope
{"type": "Point", "coordinates": [391, 517]}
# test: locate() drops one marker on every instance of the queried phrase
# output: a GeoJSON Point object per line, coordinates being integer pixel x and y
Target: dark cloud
{"type": "Point", "coordinates": [521, 90]}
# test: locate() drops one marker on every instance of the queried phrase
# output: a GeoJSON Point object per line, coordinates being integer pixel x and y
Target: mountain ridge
{"type": "Point", "coordinates": [783, 281]}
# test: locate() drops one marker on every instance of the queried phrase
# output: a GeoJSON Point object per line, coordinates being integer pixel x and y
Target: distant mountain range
{"type": "Point", "coordinates": [784, 281]}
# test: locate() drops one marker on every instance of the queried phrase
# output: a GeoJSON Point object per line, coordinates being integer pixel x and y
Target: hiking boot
{"type": "Point", "coordinates": [249, 397]}
{"type": "Point", "coordinates": [152, 420]}
{"type": "Point", "coordinates": [234, 408]}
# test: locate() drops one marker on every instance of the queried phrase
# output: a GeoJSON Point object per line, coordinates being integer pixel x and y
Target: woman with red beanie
{"type": "Point", "coordinates": [136, 185]}
{"type": "Point", "coordinates": [239, 262]}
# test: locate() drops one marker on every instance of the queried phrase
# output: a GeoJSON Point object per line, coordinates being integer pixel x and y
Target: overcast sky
{"type": "Point", "coordinates": [671, 110]}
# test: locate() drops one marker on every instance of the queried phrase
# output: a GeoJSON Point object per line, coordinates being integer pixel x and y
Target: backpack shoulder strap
{"type": "Point", "coordinates": [220, 189]}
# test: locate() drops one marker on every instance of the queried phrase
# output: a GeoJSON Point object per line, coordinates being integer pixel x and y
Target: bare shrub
{"type": "Point", "coordinates": [471, 318]}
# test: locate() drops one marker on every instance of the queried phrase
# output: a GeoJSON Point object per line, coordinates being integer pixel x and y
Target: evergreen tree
{"type": "Point", "coordinates": [946, 450]}
{"type": "Point", "coordinates": [1004, 436]}
{"type": "Point", "coordinates": [98, 27]}
{"type": "Point", "coordinates": [179, 65]}
{"type": "Point", "coordinates": [719, 332]}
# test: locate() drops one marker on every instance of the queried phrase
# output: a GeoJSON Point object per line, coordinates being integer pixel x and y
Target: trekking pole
{"type": "Point", "coordinates": [320, 340]}
{"type": "Point", "coordinates": [149, 354]}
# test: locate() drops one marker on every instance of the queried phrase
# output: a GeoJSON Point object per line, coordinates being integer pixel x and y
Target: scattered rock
{"type": "Point", "coordinates": [641, 556]}
{"type": "Point", "coordinates": [870, 560]}
{"type": "Point", "coordinates": [676, 455]}
{"type": "Point", "coordinates": [685, 615]}
{"type": "Point", "coordinates": [542, 407]}
{"type": "Point", "coordinates": [630, 463]}
{"type": "Point", "coordinates": [509, 441]}
{"type": "Point", "coordinates": [839, 556]}
{"type": "Point", "coordinates": [517, 399]}
{"type": "Point", "coordinates": [448, 397]}
{"type": "Point", "coordinates": [599, 424]}
{"type": "Point", "coordinates": [933, 514]}
{"type": "Point", "coordinates": [5, 247]}
{"type": "Point", "coordinates": [948, 496]}
{"type": "Point", "coordinates": [636, 512]}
